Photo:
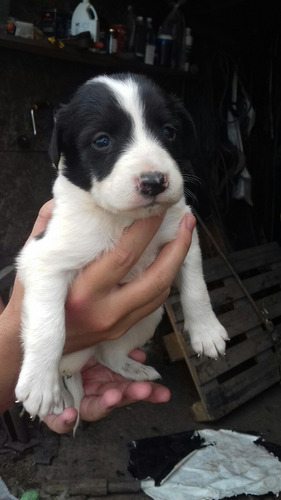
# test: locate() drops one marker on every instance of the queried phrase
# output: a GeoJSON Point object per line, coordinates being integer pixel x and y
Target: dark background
{"type": "Point", "coordinates": [229, 35]}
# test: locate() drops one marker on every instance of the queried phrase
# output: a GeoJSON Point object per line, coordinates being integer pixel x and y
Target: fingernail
{"type": "Point", "coordinates": [190, 222]}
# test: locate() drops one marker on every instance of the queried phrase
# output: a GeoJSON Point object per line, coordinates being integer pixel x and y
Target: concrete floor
{"type": "Point", "coordinates": [100, 451]}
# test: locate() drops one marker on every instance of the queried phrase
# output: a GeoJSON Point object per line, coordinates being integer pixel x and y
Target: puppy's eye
{"type": "Point", "coordinates": [169, 132]}
{"type": "Point", "coordinates": [102, 142]}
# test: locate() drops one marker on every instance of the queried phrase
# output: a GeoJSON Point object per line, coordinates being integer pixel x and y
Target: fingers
{"type": "Point", "coordinates": [159, 394]}
{"type": "Point", "coordinates": [104, 314]}
{"type": "Point", "coordinates": [95, 407]}
{"type": "Point", "coordinates": [145, 391]}
{"type": "Point", "coordinates": [112, 266]}
{"type": "Point", "coordinates": [154, 284]}
{"type": "Point", "coordinates": [43, 218]}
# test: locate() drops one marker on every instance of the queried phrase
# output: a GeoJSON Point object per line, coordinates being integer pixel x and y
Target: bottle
{"type": "Point", "coordinates": [85, 18]}
{"type": "Point", "coordinates": [150, 43]}
{"type": "Point", "coordinates": [111, 41]}
{"type": "Point", "coordinates": [164, 50]}
{"type": "Point", "coordinates": [174, 25]}
{"type": "Point", "coordinates": [120, 36]}
{"type": "Point", "coordinates": [140, 38]}
{"type": "Point", "coordinates": [130, 27]}
{"type": "Point", "coordinates": [188, 47]}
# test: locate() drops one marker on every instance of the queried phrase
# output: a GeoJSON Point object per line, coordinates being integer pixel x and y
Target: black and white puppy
{"type": "Point", "coordinates": [120, 145]}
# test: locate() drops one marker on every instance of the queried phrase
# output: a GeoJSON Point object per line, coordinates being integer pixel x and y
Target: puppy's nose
{"type": "Point", "coordinates": [152, 183]}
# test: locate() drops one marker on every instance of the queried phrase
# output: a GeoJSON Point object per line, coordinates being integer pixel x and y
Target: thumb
{"type": "Point", "coordinates": [62, 423]}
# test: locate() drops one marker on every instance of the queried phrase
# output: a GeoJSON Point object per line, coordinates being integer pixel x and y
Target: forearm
{"type": "Point", "coordinates": [10, 350]}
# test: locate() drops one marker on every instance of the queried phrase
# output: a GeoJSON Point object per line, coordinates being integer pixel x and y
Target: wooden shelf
{"type": "Point", "coordinates": [84, 56]}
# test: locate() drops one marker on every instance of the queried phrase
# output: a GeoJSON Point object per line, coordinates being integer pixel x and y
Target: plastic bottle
{"type": "Point", "coordinates": [174, 25]}
{"type": "Point", "coordinates": [130, 27]}
{"type": "Point", "coordinates": [111, 41]}
{"type": "Point", "coordinates": [187, 48]}
{"type": "Point", "coordinates": [164, 50]}
{"type": "Point", "coordinates": [150, 43]}
{"type": "Point", "coordinates": [85, 18]}
{"type": "Point", "coordinates": [140, 38]}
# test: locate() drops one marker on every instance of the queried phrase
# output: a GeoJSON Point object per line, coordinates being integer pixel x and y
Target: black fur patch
{"type": "Point", "coordinates": [93, 110]}
{"type": "Point", "coordinates": [161, 109]}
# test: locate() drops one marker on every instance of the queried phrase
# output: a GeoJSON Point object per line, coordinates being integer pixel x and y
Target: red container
{"type": "Point", "coordinates": [121, 34]}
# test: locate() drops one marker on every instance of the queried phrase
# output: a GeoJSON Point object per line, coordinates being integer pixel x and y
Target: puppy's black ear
{"type": "Point", "coordinates": [60, 118]}
{"type": "Point", "coordinates": [54, 148]}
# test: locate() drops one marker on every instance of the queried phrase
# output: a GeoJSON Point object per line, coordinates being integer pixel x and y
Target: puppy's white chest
{"type": "Point", "coordinates": [166, 233]}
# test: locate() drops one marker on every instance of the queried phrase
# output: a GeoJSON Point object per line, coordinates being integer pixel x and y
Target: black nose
{"type": "Point", "coordinates": [152, 183]}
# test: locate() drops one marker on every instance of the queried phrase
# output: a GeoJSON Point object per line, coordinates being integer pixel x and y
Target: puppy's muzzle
{"type": "Point", "coordinates": [152, 183]}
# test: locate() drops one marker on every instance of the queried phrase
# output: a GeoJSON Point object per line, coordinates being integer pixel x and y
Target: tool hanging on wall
{"type": "Point", "coordinates": [24, 141]}
{"type": "Point", "coordinates": [36, 107]}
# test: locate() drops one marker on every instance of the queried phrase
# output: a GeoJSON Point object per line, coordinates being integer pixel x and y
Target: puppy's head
{"type": "Point", "coordinates": [124, 141]}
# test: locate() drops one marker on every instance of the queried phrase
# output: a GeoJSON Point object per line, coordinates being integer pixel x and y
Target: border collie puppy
{"type": "Point", "coordinates": [119, 146]}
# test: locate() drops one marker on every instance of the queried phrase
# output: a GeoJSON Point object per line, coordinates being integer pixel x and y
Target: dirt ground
{"type": "Point", "coordinates": [100, 453]}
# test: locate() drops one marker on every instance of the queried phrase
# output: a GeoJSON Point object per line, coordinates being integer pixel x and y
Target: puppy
{"type": "Point", "coordinates": [119, 146]}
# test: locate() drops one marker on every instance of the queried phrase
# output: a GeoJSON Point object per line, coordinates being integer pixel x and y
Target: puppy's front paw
{"type": "Point", "coordinates": [209, 340]}
{"type": "Point", "coordinates": [39, 393]}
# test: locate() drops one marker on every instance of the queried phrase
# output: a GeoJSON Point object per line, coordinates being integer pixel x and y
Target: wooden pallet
{"type": "Point", "coordinates": [251, 362]}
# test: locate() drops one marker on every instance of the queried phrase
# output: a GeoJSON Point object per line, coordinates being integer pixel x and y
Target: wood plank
{"type": "Point", "coordinates": [236, 321]}
{"type": "Point", "coordinates": [244, 260]}
{"type": "Point", "coordinates": [211, 406]}
{"type": "Point", "coordinates": [223, 398]}
{"type": "Point", "coordinates": [230, 293]}
{"type": "Point", "coordinates": [255, 343]}
{"type": "Point", "coordinates": [200, 412]}
{"type": "Point", "coordinates": [185, 347]}
{"type": "Point", "coordinates": [173, 347]}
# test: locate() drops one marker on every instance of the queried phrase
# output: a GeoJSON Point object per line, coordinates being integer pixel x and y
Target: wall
{"type": "Point", "coordinates": [26, 174]}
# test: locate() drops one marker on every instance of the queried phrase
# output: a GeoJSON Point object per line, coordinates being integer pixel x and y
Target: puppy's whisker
{"type": "Point", "coordinates": [191, 178]}
{"type": "Point", "coordinates": [189, 195]}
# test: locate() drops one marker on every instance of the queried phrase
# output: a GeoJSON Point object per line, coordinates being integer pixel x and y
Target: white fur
{"type": "Point", "coordinates": [83, 225]}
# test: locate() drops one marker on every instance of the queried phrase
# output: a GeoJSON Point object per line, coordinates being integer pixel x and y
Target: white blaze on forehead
{"type": "Point", "coordinates": [126, 93]}
{"type": "Point", "coordinates": [142, 154]}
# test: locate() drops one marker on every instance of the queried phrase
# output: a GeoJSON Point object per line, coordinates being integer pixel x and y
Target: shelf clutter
{"type": "Point", "coordinates": [134, 39]}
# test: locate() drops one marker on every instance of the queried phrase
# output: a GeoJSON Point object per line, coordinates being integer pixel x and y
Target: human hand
{"type": "Point", "coordinates": [98, 308]}
{"type": "Point", "coordinates": [105, 391]}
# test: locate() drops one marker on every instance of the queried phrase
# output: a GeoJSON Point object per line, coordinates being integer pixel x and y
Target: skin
{"type": "Point", "coordinates": [97, 309]}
